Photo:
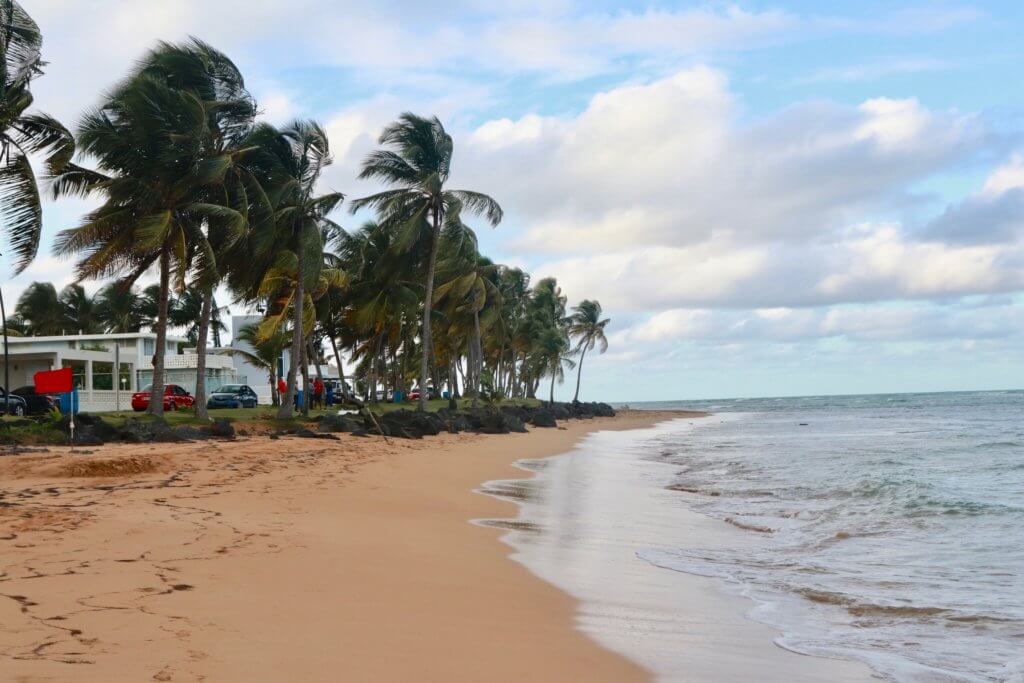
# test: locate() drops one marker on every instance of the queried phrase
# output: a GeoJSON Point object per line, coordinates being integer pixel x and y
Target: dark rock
{"type": "Point", "coordinates": [339, 423]}
{"type": "Point", "coordinates": [495, 422]}
{"type": "Point", "coordinates": [558, 410]}
{"type": "Point", "coordinates": [90, 430]}
{"type": "Point", "coordinates": [191, 433]}
{"type": "Point", "coordinates": [542, 417]}
{"type": "Point", "coordinates": [147, 431]}
{"type": "Point", "coordinates": [408, 424]}
{"type": "Point", "coordinates": [304, 433]}
{"type": "Point", "coordinates": [222, 428]}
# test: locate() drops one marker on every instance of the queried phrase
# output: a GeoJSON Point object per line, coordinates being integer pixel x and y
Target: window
{"type": "Point", "coordinates": [148, 347]}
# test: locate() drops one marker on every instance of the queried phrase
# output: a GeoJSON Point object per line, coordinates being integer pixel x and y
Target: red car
{"type": "Point", "coordinates": [175, 397]}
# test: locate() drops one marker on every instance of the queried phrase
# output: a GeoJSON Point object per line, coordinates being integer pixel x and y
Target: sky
{"type": "Point", "coordinates": [768, 198]}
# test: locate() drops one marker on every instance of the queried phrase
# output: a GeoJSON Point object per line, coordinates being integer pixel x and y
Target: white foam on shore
{"type": "Point", "coordinates": [592, 511]}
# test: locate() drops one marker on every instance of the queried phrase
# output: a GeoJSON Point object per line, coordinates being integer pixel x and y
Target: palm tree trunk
{"type": "Point", "coordinates": [428, 304]}
{"type": "Point", "coordinates": [284, 411]}
{"type": "Point", "coordinates": [304, 408]}
{"type": "Point", "coordinates": [156, 395]}
{"type": "Point", "coordinates": [579, 373]}
{"type": "Point", "coordinates": [204, 331]}
{"type": "Point", "coordinates": [7, 364]}
{"type": "Point", "coordinates": [551, 399]}
{"type": "Point", "coordinates": [275, 398]}
{"type": "Point", "coordinates": [478, 352]}
{"type": "Point", "coordinates": [341, 370]}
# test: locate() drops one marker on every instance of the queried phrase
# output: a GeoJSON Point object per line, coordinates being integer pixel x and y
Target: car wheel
{"type": "Point", "coordinates": [19, 411]}
{"type": "Point", "coordinates": [173, 406]}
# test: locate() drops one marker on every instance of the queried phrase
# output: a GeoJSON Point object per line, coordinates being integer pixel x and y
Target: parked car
{"type": "Point", "coordinates": [36, 404]}
{"type": "Point", "coordinates": [12, 404]}
{"type": "Point", "coordinates": [414, 394]}
{"type": "Point", "coordinates": [175, 398]}
{"type": "Point", "coordinates": [232, 396]}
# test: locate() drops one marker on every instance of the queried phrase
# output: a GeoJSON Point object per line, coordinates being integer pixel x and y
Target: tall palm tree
{"type": "Point", "coordinates": [587, 326]}
{"type": "Point", "coordinates": [119, 308]}
{"type": "Point", "coordinates": [162, 173]}
{"type": "Point", "coordinates": [417, 167]}
{"type": "Point", "coordinates": [79, 310]}
{"type": "Point", "coordinates": [22, 134]}
{"type": "Point", "coordinates": [288, 261]}
{"type": "Point", "coordinates": [553, 349]}
{"type": "Point", "coordinates": [40, 311]}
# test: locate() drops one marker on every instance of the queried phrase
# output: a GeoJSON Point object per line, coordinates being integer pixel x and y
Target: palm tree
{"type": "Point", "coordinates": [163, 174]}
{"type": "Point", "coordinates": [288, 262]}
{"type": "Point", "coordinates": [40, 311]}
{"type": "Point", "coordinates": [553, 349]}
{"type": "Point", "coordinates": [119, 308]}
{"type": "Point", "coordinates": [79, 310]}
{"type": "Point", "coordinates": [417, 167]}
{"type": "Point", "coordinates": [587, 326]}
{"type": "Point", "coordinates": [188, 312]}
{"type": "Point", "coordinates": [265, 354]}
{"type": "Point", "coordinates": [22, 134]}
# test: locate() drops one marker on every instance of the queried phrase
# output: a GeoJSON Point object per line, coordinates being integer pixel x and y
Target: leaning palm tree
{"type": "Point", "coordinates": [22, 134]}
{"type": "Point", "coordinates": [587, 326]}
{"type": "Point", "coordinates": [286, 266]}
{"type": "Point", "coordinates": [164, 180]}
{"type": "Point", "coordinates": [417, 166]}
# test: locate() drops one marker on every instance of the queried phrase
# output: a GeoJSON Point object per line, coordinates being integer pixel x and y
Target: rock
{"type": "Point", "coordinates": [146, 431]}
{"type": "Point", "coordinates": [495, 422]}
{"type": "Point", "coordinates": [304, 433]}
{"type": "Point", "coordinates": [191, 433]}
{"type": "Point", "coordinates": [222, 428]}
{"type": "Point", "coordinates": [408, 424]}
{"type": "Point", "coordinates": [542, 417]}
{"type": "Point", "coordinates": [90, 430]}
{"type": "Point", "coordinates": [339, 423]}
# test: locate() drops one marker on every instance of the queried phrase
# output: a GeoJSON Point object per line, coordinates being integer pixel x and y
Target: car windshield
{"type": "Point", "coordinates": [146, 389]}
{"type": "Point", "coordinates": [230, 389]}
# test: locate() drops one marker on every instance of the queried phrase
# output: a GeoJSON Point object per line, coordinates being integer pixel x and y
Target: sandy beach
{"type": "Point", "coordinates": [290, 559]}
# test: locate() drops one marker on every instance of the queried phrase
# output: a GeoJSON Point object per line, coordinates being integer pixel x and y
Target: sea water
{"type": "Point", "coordinates": [885, 528]}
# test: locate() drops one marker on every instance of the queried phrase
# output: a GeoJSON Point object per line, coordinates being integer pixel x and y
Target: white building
{"type": "Point", "coordinates": [93, 357]}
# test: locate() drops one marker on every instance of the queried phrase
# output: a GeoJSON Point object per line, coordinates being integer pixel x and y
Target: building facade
{"type": "Point", "coordinates": [107, 368]}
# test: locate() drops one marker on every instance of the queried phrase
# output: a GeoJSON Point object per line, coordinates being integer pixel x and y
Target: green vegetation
{"type": "Point", "coordinates": [191, 184]}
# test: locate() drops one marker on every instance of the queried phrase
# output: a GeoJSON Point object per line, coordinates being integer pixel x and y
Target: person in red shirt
{"type": "Point", "coordinates": [282, 388]}
{"type": "Point", "coordinates": [318, 392]}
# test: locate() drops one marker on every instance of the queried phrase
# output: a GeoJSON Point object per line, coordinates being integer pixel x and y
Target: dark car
{"type": "Point", "coordinates": [36, 404]}
{"type": "Point", "coordinates": [12, 405]}
{"type": "Point", "coordinates": [232, 396]}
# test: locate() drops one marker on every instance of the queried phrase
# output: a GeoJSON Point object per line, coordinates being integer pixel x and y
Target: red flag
{"type": "Point", "coordinates": [53, 381]}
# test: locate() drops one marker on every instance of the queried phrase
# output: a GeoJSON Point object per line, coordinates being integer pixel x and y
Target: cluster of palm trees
{"type": "Point", "coordinates": [194, 187]}
{"type": "Point", "coordinates": [42, 310]}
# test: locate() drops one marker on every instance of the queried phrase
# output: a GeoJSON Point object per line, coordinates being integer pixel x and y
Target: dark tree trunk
{"type": "Point", "coordinates": [305, 380]}
{"type": "Point", "coordinates": [284, 411]}
{"type": "Point", "coordinates": [204, 331]}
{"type": "Point", "coordinates": [428, 305]}
{"type": "Point", "coordinates": [156, 395]}
{"type": "Point", "coordinates": [579, 373]}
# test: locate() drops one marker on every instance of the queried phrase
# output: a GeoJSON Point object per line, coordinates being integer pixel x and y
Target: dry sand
{"type": "Point", "coordinates": [282, 560]}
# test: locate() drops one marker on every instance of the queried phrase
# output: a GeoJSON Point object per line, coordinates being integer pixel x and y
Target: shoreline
{"type": "Point", "coordinates": [262, 560]}
{"type": "Point", "coordinates": [587, 519]}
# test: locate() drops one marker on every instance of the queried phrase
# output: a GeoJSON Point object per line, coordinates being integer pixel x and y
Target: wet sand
{"type": "Point", "coordinates": [290, 559]}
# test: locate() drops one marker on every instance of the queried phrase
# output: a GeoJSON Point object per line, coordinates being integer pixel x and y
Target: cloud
{"type": "Point", "coordinates": [673, 163]}
{"type": "Point", "coordinates": [993, 215]}
{"type": "Point", "coordinates": [874, 70]}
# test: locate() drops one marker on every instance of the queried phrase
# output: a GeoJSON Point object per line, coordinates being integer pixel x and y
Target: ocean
{"type": "Point", "coordinates": [884, 529]}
